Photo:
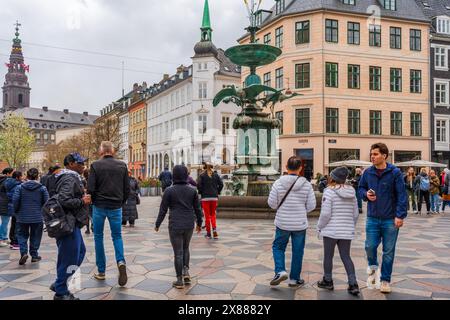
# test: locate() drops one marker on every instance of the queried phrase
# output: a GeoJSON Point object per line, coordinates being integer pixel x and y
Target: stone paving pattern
{"type": "Point", "coordinates": [238, 266]}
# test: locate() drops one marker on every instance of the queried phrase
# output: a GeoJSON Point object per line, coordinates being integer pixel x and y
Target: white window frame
{"type": "Point", "coordinates": [447, 96]}
{"type": "Point", "coordinates": [202, 123]}
{"type": "Point", "coordinates": [443, 25]}
{"type": "Point", "coordinates": [203, 90]}
{"type": "Point", "coordinates": [442, 145]}
{"type": "Point", "coordinates": [436, 54]}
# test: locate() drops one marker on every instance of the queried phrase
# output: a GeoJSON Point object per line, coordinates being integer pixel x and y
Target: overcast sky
{"type": "Point", "coordinates": [163, 32]}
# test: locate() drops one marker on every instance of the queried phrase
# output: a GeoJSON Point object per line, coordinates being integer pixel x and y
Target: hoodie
{"type": "Point", "coordinates": [182, 202]}
{"type": "Point", "coordinates": [28, 200]}
{"type": "Point", "coordinates": [292, 215]}
{"type": "Point", "coordinates": [339, 213]}
{"type": "Point", "coordinates": [3, 196]}
{"type": "Point", "coordinates": [11, 185]}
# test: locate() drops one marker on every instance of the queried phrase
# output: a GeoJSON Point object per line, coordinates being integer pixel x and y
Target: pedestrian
{"type": "Point", "coordinates": [411, 186]}
{"type": "Point", "coordinates": [109, 186]}
{"type": "Point", "coordinates": [445, 191]}
{"type": "Point", "coordinates": [209, 187]}
{"type": "Point", "coordinates": [11, 184]}
{"type": "Point", "coordinates": [423, 185]}
{"type": "Point", "coordinates": [382, 186]}
{"type": "Point", "coordinates": [49, 180]}
{"type": "Point", "coordinates": [28, 200]}
{"type": "Point", "coordinates": [165, 178]}
{"type": "Point", "coordinates": [183, 204]}
{"type": "Point", "coordinates": [191, 180]}
{"type": "Point", "coordinates": [4, 215]}
{"type": "Point", "coordinates": [323, 183]}
{"type": "Point", "coordinates": [338, 217]}
{"type": "Point", "coordinates": [74, 201]}
{"type": "Point", "coordinates": [130, 212]}
{"type": "Point", "coordinates": [435, 186]}
{"type": "Point", "coordinates": [355, 184]}
{"type": "Point", "coordinates": [292, 196]}
{"type": "Point", "coordinates": [89, 226]}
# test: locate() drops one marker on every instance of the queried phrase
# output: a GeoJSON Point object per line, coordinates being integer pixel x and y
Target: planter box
{"type": "Point", "coordinates": [145, 192]}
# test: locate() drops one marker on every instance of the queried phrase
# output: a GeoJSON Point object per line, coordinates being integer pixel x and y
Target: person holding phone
{"type": "Point", "coordinates": [382, 186]}
{"type": "Point", "coordinates": [182, 201]}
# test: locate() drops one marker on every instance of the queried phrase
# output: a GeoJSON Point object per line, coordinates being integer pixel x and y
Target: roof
{"type": "Point", "coordinates": [435, 8]}
{"type": "Point", "coordinates": [54, 116]}
{"type": "Point", "coordinates": [227, 67]}
{"type": "Point", "coordinates": [406, 9]}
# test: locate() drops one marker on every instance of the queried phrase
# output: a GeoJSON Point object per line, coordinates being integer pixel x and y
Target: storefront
{"type": "Point", "coordinates": [307, 155]}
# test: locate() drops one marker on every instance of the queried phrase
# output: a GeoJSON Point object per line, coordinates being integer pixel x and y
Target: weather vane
{"type": "Point", "coordinates": [252, 8]}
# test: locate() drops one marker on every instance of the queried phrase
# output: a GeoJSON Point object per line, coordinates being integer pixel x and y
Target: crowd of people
{"type": "Point", "coordinates": [108, 191]}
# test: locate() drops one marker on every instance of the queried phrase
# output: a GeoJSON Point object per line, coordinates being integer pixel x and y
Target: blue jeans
{"type": "Point", "coordinates": [4, 228]}
{"type": "Point", "coordinates": [435, 205]}
{"type": "Point", "coordinates": [115, 223]}
{"type": "Point", "coordinates": [298, 248]}
{"type": "Point", "coordinates": [381, 231]}
{"type": "Point", "coordinates": [71, 252]}
{"type": "Point", "coordinates": [32, 231]}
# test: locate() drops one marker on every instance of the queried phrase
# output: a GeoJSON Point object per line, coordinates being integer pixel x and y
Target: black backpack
{"type": "Point", "coordinates": [57, 222]}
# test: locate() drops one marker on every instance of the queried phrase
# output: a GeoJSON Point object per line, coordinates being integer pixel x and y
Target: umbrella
{"type": "Point", "coordinates": [420, 164]}
{"type": "Point", "coordinates": [351, 163]}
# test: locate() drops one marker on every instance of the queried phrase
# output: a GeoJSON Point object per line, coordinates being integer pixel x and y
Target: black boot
{"type": "Point", "coordinates": [324, 284]}
{"type": "Point", "coordinates": [179, 284]}
{"type": "Point", "coordinates": [186, 275]}
{"type": "Point", "coordinates": [353, 289]}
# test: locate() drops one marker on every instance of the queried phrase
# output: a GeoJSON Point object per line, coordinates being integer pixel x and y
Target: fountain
{"type": "Point", "coordinates": [257, 129]}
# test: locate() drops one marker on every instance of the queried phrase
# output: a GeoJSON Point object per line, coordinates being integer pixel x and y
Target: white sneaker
{"type": "Point", "coordinates": [385, 287]}
{"type": "Point", "coordinates": [373, 281]}
{"type": "Point", "coordinates": [3, 244]}
{"type": "Point", "coordinates": [280, 277]}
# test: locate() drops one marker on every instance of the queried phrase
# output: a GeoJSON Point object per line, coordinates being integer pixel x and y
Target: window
{"type": "Point", "coordinates": [279, 78]}
{"type": "Point", "coordinates": [203, 90]}
{"type": "Point", "coordinates": [375, 78]}
{"type": "Point", "coordinates": [332, 120]}
{"type": "Point", "coordinates": [302, 32]}
{"type": "Point", "coordinates": [225, 125]}
{"type": "Point", "coordinates": [302, 121]}
{"type": "Point", "coordinates": [441, 93]}
{"type": "Point", "coordinates": [375, 122]}
{"type": "Point", "coordinates": [441, 131]}
{"type": "Point", "coordinates": [258, 18]}
{"type": "Point", "coordinates": [415, 40]}
{"type": "Point", "coordinates": [20, 98]}
{"type": "Point", "coordinates": [396, 123]}
{"type": "Point", "coordinates": [375, 35]}
{"type": "Point", "coordinates": [332, 75]}
{"type": "Point", "coordinates": [302, 76]}
{"type": "Point", "coordinates": [279, 37]}
{"type": "Point", "coordinates": [202, 119]}
{"type": "Point", "coordinates": [416, 81]}
{"type": "Point", "coordinates": [353, 76]}
{"type": "Point", "coordinates": [396, 80]}
{"type": "Point", "coordinates": [268, 38]}
{"type": "Point", "coordinates": [267, 79]}
{"type": "Point", "coordinates": [396, 38]}
{"type": "Point", "coordinates": [349, 2]}
{"type": "Point", "coordinates": [443, 25]}
{"type": "Point", "coordinates": [279, 6]}
{"type": "Point", "coordinates": [390, 5]}
{"type": "Point", "coordinates": [331, 30]}
{"type": "Point", "coordinates": [354, 121]}
{"type": "Point", "coordinates": [416, 124]}
{"type": "Point", "coordinates": [279, 116]}
{"type": "Point", "coordinates": [353, 32]}
{"type": "Point", "coordinates": [440, 57]}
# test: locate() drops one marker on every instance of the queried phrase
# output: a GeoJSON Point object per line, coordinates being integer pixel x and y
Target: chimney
{"type": "Point", "coordinates": [85, 113]}
{"type": "Point", "coordinates": [180, 69]}
{"type": "Point", "coordinates": [66, 111]}
{"type": "Point", "coordinates": [45, 109]}
{"type": "Point", "coordinates": [166, 77]}
{"type": "Point", "coordinates": [144, 85]}
{"type": "Point", "coordinates": [135, 87]}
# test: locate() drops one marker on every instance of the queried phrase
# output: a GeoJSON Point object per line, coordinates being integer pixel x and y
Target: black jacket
{"type": "Point", "coordinates": [209, 187]}
{"type": "Point", "coordinates": [182, 201]}
{"type": "Point", "coordinates": [3, 196]}
{"type": "Point", "coordinates": [69, 189]}
{"type": "Point", "coordinates": [108, 183]}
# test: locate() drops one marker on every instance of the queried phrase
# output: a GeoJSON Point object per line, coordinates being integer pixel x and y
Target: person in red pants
{"type": "Point", "coordinates": [209, 187]}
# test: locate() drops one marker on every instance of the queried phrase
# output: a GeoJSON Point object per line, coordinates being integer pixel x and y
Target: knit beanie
{"type": "Point", "coordinates": [339, 175]}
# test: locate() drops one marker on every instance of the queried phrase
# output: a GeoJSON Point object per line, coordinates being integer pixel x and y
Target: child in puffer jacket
{"type": "Point", "coordinates": [336, 225]}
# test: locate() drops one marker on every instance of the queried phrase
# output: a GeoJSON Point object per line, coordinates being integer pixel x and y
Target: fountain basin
{"type": "Point", "coordinates": [253, 54]}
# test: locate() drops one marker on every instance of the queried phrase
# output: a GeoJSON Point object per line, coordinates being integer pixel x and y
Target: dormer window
{"type": "Point", "coordinates": [443, 25]}
{"type": "Point", "coordinates": [349, 2]}
{"type": "Point", "coordinates": [390, 4]}
{"type": "Point", "coordinates": [258, 18]}
{"type": "Point", "coordinates": [279, 6]}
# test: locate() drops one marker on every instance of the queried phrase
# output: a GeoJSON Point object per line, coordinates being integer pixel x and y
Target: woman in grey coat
{"type": "Point", "coordinates": [336, 225]}
{"type": "Point", "coordinates": [129, 210]}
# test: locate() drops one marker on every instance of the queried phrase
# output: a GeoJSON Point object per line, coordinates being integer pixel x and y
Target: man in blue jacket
{"type": "Point", "coordinates": [383, 188]}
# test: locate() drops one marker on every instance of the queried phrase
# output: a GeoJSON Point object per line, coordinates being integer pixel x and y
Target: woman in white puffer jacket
{"type": "Point", "coordinates": [337, 222]}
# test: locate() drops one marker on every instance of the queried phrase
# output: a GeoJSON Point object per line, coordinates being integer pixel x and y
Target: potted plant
{"type": "Point", "coordinates": [145, 187]}
{"type": "Point", "coordinates": [153, 187]}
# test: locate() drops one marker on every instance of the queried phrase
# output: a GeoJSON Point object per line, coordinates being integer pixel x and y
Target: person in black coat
{"type": "Point", "coordinates": [184, 206]}
{"type": "Point", "coordinates": [129, 210]}
{"type": "Point", "coordinates": [5, 217]}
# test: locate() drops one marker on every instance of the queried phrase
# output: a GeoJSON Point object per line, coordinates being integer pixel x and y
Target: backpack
{"type": "Point", "coordinates": [424, 184]}
{"type": "Point", "coordinates": [57, 222]}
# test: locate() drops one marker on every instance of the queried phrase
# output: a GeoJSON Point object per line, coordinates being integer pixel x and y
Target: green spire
{"type": "Point", "coordinates": [206, 24]}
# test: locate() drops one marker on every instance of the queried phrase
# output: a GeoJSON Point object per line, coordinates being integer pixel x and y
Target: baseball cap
{"type": "Point", "coordinates": [74, 157]}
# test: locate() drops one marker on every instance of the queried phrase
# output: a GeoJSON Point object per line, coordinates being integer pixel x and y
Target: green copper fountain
{"type": "Point", "coordinates": [256, 126]}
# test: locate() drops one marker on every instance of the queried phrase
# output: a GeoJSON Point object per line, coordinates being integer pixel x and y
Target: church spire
{"type": "Point", "coordinates": [206, 24]}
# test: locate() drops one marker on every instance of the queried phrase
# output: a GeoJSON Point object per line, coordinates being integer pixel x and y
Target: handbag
{"type": "Point", "coordinates": [287, 193]}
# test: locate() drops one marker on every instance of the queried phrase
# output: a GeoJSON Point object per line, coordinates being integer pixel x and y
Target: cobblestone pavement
{"type": "Point", "coordinates": [237, 266]}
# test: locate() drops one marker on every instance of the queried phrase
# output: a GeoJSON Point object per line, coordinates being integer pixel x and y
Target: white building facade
{"type": "Point", "coordinates": [123, 137]}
